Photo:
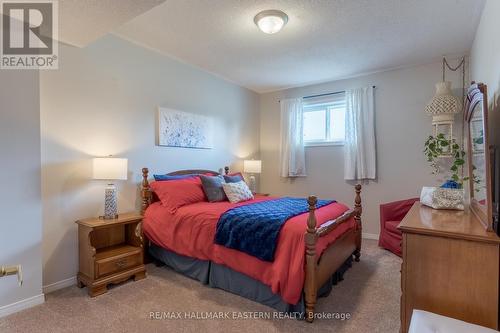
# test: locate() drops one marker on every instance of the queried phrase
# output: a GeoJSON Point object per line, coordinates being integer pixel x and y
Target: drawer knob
{"type": "Point", "coordinates": [121, 263]}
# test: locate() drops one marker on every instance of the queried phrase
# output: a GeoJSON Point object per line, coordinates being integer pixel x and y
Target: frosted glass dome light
{"type": "Point", "coordinates": [271, 21]}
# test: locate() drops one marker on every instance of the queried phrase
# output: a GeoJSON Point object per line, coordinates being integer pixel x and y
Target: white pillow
{"type": "Point", "coordinates": [237, 192]}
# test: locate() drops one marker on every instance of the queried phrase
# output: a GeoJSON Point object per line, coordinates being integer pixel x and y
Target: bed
{"type": "Point", "coordinates": [313, 250]}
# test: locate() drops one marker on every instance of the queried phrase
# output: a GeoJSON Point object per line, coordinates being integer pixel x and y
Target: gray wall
{"type": "Point", "coordinates": [20, 202]}
{"type": "Point", "coordinates": [401, 130]}
{"type": "Point", "coordinates": [103, 101]}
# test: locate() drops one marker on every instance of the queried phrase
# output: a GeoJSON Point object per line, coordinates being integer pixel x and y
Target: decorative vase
{"type": "Point", "coordinates": [452, 184]}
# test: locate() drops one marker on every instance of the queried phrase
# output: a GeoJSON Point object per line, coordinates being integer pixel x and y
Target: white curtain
{"type": "Point", "coordinates": [359, 148]}
{"type": "Point", "coordinates": [292, 161]}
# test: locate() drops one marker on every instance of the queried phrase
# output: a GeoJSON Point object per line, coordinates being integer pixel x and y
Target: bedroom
{"type": "Point", "coordinates": [122, 65]}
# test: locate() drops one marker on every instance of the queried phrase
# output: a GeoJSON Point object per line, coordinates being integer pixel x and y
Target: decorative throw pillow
{"type": "Point", "coordinates": [212, 186]}
{"type": "Point", "coordinates": [176, 177]}
{"type": "Point", "coordinates": [237, 192]}
{"type": "Point", "coordinates": [234, 178]}
{"type": "Point", "coordinates": [177, 193]}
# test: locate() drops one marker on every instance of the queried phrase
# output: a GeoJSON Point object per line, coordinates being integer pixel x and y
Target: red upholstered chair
{"type": "Point", "coordinates": [391, 214]}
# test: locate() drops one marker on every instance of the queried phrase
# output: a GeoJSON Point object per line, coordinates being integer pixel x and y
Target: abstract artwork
{"type": "Point", "coordinates": [183, 129]}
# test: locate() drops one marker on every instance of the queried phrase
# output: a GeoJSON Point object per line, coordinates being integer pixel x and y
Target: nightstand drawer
{"type": "Point", "coordinates": [124, 259]}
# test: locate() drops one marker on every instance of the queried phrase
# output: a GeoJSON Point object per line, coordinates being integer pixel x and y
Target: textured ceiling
{"type": "Point", "coordinates": [83, 21]}
{"type": "Point", "coordinates": [323, 40]}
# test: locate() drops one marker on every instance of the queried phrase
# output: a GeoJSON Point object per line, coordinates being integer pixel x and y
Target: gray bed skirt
{"type": "Point", "coordinates": [222, 277]}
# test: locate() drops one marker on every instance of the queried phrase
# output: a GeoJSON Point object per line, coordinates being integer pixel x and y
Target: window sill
{"type": "Point", "coordinates": [324, 144]}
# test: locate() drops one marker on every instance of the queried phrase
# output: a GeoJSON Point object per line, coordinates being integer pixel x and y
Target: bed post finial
{"type": "Point", "coordinates": [359, 210]}
{"type": "Point", "coordinates": [357, 201]}
{"type": "Point", "coordinates": [226, 170]}
{"type": "Point", "coordinates": [311, 221]}
{"type": "Point", "coordinates": [145, 191]}
{"type": "Point", "coordinates": [310, 287]}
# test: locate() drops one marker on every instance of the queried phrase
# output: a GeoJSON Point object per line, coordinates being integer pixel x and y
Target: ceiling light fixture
{"type": "Point", "coordinates": [271, 21]}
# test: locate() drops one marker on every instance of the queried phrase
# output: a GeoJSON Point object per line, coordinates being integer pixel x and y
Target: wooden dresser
{"type": "Point", "coordinates": [450, 266]}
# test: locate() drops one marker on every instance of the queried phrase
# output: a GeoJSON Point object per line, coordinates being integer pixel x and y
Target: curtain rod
{"type": "Point", "coordinates": [327, 94]}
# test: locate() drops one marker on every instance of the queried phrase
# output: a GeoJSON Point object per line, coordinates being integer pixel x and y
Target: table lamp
{"type": "Point", "coordinates": [110, 168]}
{"type": "Point", "coordinates": [252, 167]}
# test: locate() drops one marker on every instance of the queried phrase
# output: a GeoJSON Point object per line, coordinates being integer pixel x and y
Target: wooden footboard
{"type": "Point", "coordinates": [318, 271]}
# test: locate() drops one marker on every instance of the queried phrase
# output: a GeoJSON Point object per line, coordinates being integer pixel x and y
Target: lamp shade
{"type": "Point", "coordinates": [444, 105]}
{"type": "Point", "coordinates": [110, 168]}
{"type": "Point", "coordinates": [252, 166]}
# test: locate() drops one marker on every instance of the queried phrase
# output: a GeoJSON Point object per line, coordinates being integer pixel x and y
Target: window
{"type": "Point", "coordinates": [324, 120]}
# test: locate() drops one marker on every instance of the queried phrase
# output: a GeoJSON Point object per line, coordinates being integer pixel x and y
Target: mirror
{"type": "Point", "coordinates": [476, 117]}
{"type": "Point", "coordinates": [478, 156]}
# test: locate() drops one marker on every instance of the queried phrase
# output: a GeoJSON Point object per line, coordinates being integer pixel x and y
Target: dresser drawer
{"type": "Point", "coordinates": [123, 261]}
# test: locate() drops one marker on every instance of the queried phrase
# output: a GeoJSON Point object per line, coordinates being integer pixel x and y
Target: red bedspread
{"type": "Point", "coordinates": [191, 231]}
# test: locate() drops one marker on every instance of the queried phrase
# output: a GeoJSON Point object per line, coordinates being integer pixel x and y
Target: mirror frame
{"type": "Point", "coordinates": [475, 96]}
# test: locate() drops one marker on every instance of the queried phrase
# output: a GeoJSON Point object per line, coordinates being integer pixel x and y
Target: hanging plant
{"type": "Point", "coordinates": [439, 146]}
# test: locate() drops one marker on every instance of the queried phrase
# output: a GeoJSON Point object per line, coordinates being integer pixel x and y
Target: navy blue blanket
{"type": "Point", "coordinates": [254, 228]}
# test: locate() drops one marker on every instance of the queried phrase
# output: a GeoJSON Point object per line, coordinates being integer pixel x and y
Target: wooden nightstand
{"type": "Point", "coordinates": [110, 251]}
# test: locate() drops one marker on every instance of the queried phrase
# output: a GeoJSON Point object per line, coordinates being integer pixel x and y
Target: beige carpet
{"type": "Point", "coordinates": [370, 293]}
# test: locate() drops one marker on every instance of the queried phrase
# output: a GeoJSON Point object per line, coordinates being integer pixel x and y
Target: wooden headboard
{"type": "Point", "coordinates": [148, 196]}
{"type": "Point", "coordinates": [197, 171]}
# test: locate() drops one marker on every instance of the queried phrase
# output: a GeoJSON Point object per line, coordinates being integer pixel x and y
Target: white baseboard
{"type": "Point", "coordinates": [59, 285]}
{"type": "Point", "coordinates": [370, 236]}
{"type": "Point", "coordinates": [21, 305]}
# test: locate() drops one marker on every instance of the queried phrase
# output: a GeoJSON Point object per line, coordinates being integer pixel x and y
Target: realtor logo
{"type": "Point", "coordinates": [29, 34]}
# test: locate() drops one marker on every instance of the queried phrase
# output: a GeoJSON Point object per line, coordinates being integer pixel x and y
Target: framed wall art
{"type": "Point", "coordinates": [183, 129]}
